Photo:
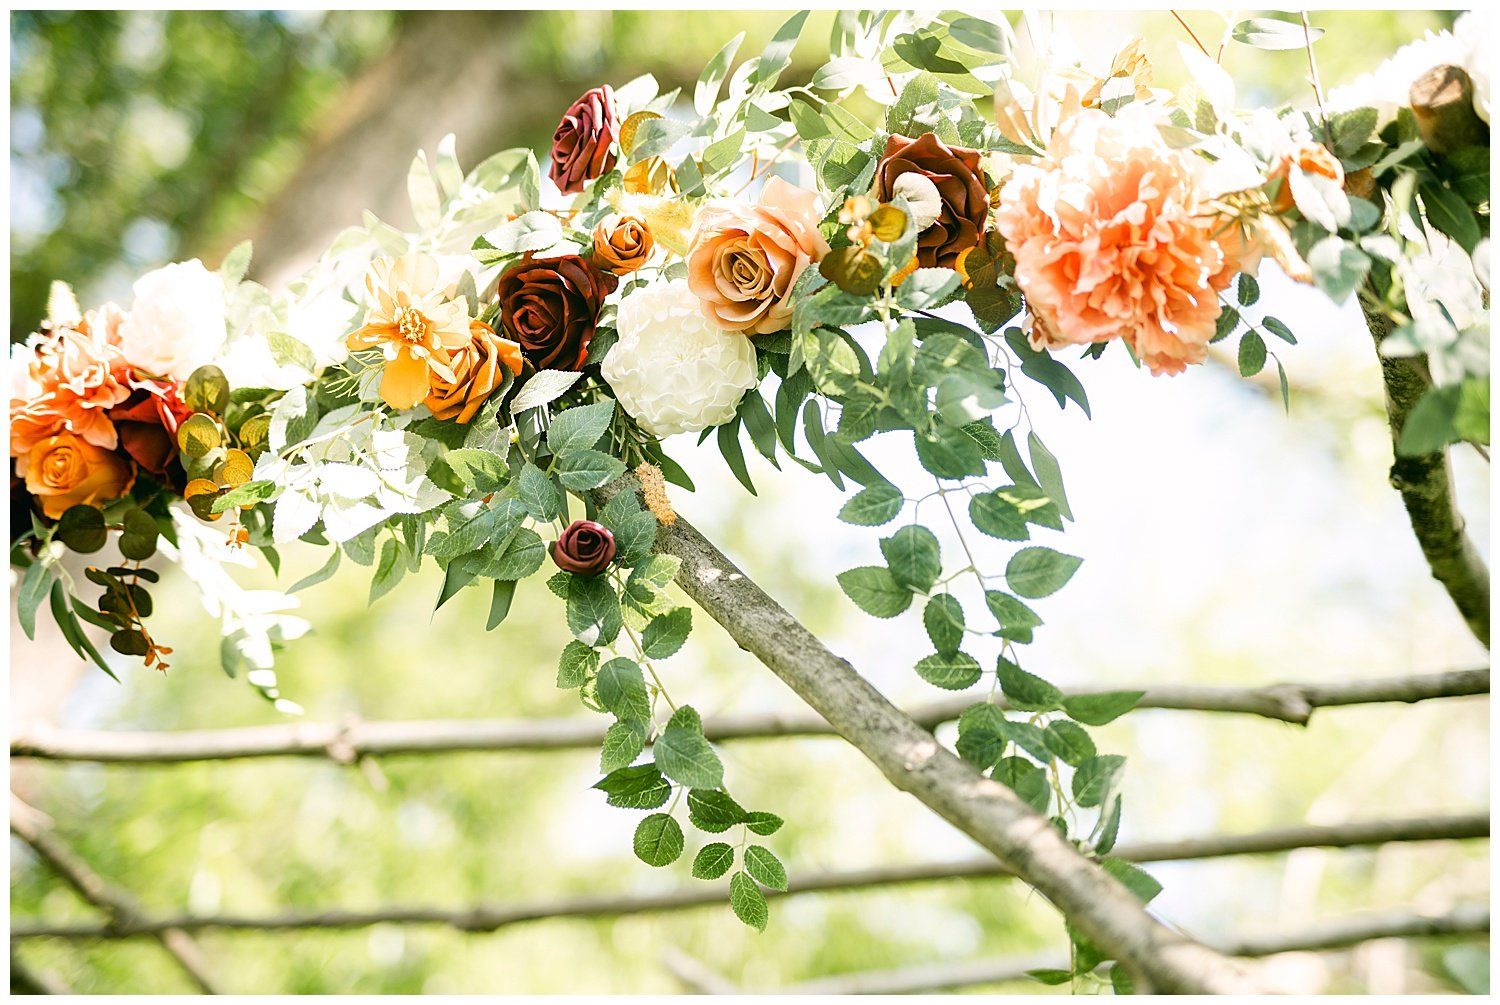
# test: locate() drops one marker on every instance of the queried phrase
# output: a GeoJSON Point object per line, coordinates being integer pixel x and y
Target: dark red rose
{"type": "Point", "coordinates": [584, 549]}
{"type": "Point", "coordinates": [147, 422]}
{"type": "Point", "coordinates": [551, 306]}
{"type": "Point", "coordinates": [582, 143]}
{"type": "Point", "coordinates": [955, 172]}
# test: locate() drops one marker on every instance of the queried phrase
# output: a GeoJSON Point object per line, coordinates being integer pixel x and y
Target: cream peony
{"type": "Point", "coordinates": [177, 323]}
{"type": "Point", "coordinates": [1388, 89]}
{"type": "Point", "coordinates": [673, 370]}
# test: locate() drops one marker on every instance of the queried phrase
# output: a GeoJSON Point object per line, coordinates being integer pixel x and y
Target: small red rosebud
{"type": "Point", "coordinates": [585, 549]}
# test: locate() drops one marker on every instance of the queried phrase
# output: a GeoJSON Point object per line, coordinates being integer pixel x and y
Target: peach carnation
{"type": "Point", "coordinates": [744, 259]}
{"type": "Point", "coordinates": [67, 380]}
{"type": "Point", "coordinates": [1112, 237]}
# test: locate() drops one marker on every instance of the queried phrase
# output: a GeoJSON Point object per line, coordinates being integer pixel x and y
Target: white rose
{"type": "Point", "coordinates": [672, 370]}
{"type": "Point", "coordinates": [177, 323]}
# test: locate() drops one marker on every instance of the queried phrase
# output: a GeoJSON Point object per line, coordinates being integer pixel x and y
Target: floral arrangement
{"type": "Point", "coordinates": [496, 392]}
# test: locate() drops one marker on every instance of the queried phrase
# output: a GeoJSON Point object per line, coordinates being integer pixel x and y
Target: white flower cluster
{"type": "Point", "coordinates": [672, 370]}
{"type": "Point", "coordinates": [1388, 89]}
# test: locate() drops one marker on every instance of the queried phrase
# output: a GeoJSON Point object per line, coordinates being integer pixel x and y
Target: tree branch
{"type": "Point", "coordinates": [1290, 702]}
{"type": "Point", "coordinates": [1426, 487]}
{"type": "Point", "coordinates": [1466, 919]}
{"type": "Point", "coordinates": [489, 917]}
{"type": "Point", "coordinates": [35, 829]}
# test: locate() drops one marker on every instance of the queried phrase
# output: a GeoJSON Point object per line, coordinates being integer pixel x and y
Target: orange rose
{"type": "Point", "coordinates": [1309, 158]}
{"type": "Point", "coordinates": [476, 374]}
{"type": "Point", "coordinates": [622, 244]}
{"type": "Point", "coordinates": [67, 470]}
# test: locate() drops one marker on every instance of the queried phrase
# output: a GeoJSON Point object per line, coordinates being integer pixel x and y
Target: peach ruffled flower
{"type": "Point", "coordinates": [414, 325]}
{"type": "Point", "coordinates": [67, 380]}
{"type": "Point", "coordinates": [1112, 237]}
{"type": "Point", "coordinates": [745, 258]}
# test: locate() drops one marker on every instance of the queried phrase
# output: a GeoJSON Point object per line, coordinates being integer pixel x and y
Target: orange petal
{"type": "Point", "coordinates": [405, 381]}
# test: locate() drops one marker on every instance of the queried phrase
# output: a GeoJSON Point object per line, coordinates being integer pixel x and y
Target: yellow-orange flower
{"type": "Point", "coordinates": [414, 324]}
{"type": "Point", "coordinates": [67, 470]}
{"type": "Point", "coordinates": [1307, 158]}
{"type": "Point", "coordinates": [476, 374]}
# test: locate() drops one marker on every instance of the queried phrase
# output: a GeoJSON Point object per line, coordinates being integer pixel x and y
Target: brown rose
{"type": "Point", "coordinates": [551, 306]}
{"type": "Point", "coordinates": [478, 368]}
{"type": "Point", "coordinates": [67, 470]}
{"type": "Point", "coordinates": [744, 259]}
{"type": "Point", "coordinates": [622, 244]}
{"type": "Point", "coordinates": [581, 144]}
{"type": "Point", "coordinates": [147, 423]}
{"type": "Point", "coordinates": [584, 549]}
{"type": "Point", "coordinates": [1309, 158]}
{"type": "Point", "coordinates": [965, 202]}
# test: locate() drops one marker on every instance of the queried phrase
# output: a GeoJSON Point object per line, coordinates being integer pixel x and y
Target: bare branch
{"type": "Point", "coordinates": [34, 828]}
{"type": "Point", "coordinates": [1286, 702]}
{"type": "Point", "coordinates": [490, 917]}
{"type": "Point", "coordinates": [1466, 919]}
{"type": "Point", "coordinates": [1426, 486]}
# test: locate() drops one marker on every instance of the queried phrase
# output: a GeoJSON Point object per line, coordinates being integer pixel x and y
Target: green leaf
{"type": "Point", "coordinates": [952, 454]}
{"type": "Point", "coordinates": [1338, 267]}
{"type": "Point", "coordinates": [322, 575]}
{"type": "Point", "coordinates": [622, 745]}
{"type": "Point", "coordinates": [875, 591]}
{"type": "Point", "coordinates": [1109, 827]}
{"type": "Point", "coordinates": [1016, 620]}
{"type": "Point", "coordinates": [1069, 742]}
{"type": "Point", "coordinates": [913, 557]}
{"type": "Point", "coordinates": [1449, 213]}
{"type": "Point", "coordinates": [747, 902]}
{"type": "Point", "coordinates": [1052, 978]}
{"type": "Point", "coordinates": [714, 811]}
{"type": "Point", "coordinates": [35, 582]}
{"type": "Point", "coordinates": [728, 438]}
{"type": "Point", "coordinates": [943, 618]}
{"type": "Point", "coordinates": [1120, 982]}
{"type": "Point", "coordinates": [1026, 691]}
{"type": "Point", "coordinates": [1094, 777]}
{"type": "Point", "coordinates": [981, 735]}
{"type": "Point", "coordinates": [684, 756]}
{"type": "Point", "coordinates": [665, 634]}
{"type": "Point", "coordinates": [706, 93]}
{"type": "Point", "coordinates": [523, 554]}
{"type": "Point", "coordinates": [82, 529]}
{"type": "Point", "coordinates": [953, 672]}
{"type": "Point", "coordinates": [250, 492]}
{"type": "Point", "coordinates": [1270, 33]}
{"type": "Point", "coordinates": [1039, 572]}
{"type": "Point", "coordinates": [235, 264]}
{"type": "Point", "coordinates": [1252, 354]}
{"type": "Point", "coordinates": [993, 514]}
{"type": "Point", "coordinates": [1026, 779]}
{"type": "Point", "coordinates": [1136, 879]}
{"type": "Point", "coordinates": [641, 787]}
{"type": "Point", "coordinates": [777, 56]}
{"type": "Point", "coordinates": [579, 427]}
{"type": "Point", "coordinates": [1049, 473]}
{"type": "Point", "coordinates": [871, 507]}
{"type": "Point", "coordinates": [1028, 736]}
{"type": "Point", "coordinates": [713, 860]}
{"type": "Point", "coordinates": [764, 867]}
{"type": "Point", "coordinates": [1101, 708]}
{"type": "Point", "coordinates": [538, 494]}
{"type": "Point", "coordinates": [1279, 329]}
{"type": "Point", "coordinates": [622, 691]}
{"type": "Point", "coordinates": [763, 823]}
{"type": "Point", "coordinates": [1248, 290]}
{"type": "Point", "coordinates": [658, 840]}
{"type": "Point", "coordinates": [576, 665]}
{"type": "Point", "coordinates": [502, 594]}
{"type": "Point", "coordinates": [581, 470]}
{"type": "Point", "coordinates": [388, 571]}
{"type": "Point", "coordinates": [72, 631]}
{"type": "Point", "coordinates": [593, 610]}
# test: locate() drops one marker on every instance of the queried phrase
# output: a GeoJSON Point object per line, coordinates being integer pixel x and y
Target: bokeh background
{"type": "Point", "coordinates": [1225, 542]}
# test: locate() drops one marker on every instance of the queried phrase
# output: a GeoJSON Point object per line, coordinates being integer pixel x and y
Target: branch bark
{"type": "Point", "coordinates": [1426, 486]}
{"type": "Point", "coordinates": [1289, 702]}
{"type": "Point", "coordinates": [1466, 919]}
{"type": "Point", "coordinates": [35, 829]}
{"type": "Point", "coordinates": [490, 917]}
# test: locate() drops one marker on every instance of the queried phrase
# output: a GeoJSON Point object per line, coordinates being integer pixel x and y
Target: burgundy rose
{"type": "Point", "coordinates": [582, 143]}
{"type": "Point", "coordinates": [584, 549]}
{"type": "Point", "coordinates": [147, 422]}
{"type": "Point", "coordinates": [551, 306]}
{"type": "Point", "coordinates": [955, 171]}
